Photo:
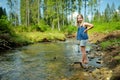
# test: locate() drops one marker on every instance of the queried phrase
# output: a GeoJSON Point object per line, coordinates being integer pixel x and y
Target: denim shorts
{"type": "Point", "coordinates": [83, 42]}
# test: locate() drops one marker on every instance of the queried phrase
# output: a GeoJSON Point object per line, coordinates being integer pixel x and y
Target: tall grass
{"type": "Point", "coordinates": [110, 43]}
{"type": "Point", "coordinates": [32, 35]}
{"type": "Point", "coordinates": [105, 27]}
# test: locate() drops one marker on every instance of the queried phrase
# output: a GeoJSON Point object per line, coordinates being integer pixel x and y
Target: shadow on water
{"type": "Point", "coordinates": [41, 61]}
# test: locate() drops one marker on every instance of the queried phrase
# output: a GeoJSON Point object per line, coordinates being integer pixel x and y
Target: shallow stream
{"type": "Point", "coordinates": [42, 61]}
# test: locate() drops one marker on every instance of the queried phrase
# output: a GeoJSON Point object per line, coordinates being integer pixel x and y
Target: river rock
{"type": "Point", "coordinates": [99, 62]}
{"type": "Point", "coordinates": [91, 56]}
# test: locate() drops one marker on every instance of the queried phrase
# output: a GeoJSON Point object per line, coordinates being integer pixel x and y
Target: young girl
{"type": "Point", "coordinates": [82, 35]}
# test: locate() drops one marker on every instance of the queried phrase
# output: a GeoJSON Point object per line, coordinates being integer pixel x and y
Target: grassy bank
{"type": "Point", "coordinates": [100, 30]}
{"type": "Point", "coordinates": [105, 27]}
{"type": "Point", "coordinates": [36, 36]}
{"type": "Point", "coordinates": [18, 39]}
{"type": "Point", "coordinates": [11, 37]}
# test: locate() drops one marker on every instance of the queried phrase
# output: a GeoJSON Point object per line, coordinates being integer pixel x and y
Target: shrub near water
{"type": "Point", "coordinates": [33, 35]}
{"type": "Point", "coordinates": [4, 25]}
{"type": "Point", "coordinates": [69, 29]}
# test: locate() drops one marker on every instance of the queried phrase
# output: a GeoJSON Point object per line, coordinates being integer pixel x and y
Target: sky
{"type": "Point", "coordinates": [3, 3]}
{"type": "Point", "coordinates": [104, 3]}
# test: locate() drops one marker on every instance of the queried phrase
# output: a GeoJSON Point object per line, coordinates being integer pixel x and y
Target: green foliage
{"type": "Point", "coordinates": [105, 44]}
{"type": "Point", "coordinates": [110, 43]}
{"type": "Point", "coordinates": [117, 57]}
{"type": "Point", "coordinates": [105, 27]}
{"type": "Point", "coordinates": [33, 37]}
{"type": "Point", "coordinates": [115, 17]}
{"type": "Point", "coordinates": [2, 12]}
{"type": "Point", "coordinates": [42, 26]}
{"type": "Point", "coordinates": [4, 25]}
{"type": "Point", "coordinates": [69, 29]}
{"type": "Point", "coordinates": [18, 39]}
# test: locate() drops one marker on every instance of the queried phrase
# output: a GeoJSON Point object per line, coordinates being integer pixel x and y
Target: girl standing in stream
{"type": "Point", "coordinates": [82, 36]}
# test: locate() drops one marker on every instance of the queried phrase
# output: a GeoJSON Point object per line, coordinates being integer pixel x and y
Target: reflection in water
{"type": "Point", "coordinates": [17, 65]}
{"type": "Point", "coordinates": [41, 61]}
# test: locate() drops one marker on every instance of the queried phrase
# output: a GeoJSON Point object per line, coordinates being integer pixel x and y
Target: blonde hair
{"type": "Point", "coordinates": [77, 18]}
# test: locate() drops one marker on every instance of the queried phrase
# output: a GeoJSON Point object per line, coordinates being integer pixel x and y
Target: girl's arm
{"type": "Point", "coordinates": [88, 25]}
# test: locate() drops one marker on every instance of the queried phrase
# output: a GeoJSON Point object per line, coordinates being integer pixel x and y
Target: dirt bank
{"type": "Point", "coordinates": [99, 37]}
{"type": "Point", "coordinates": [112, 53]}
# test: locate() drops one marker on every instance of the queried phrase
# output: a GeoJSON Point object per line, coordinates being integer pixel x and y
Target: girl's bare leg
{"type": "Point", "coordinates": [84, 56]}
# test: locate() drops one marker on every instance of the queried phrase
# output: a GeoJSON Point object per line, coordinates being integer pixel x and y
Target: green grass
{"type": "Point", "coordinates": [39, 36]}
{"type": "Point", "coordinates": [117, 57]}
{"type": "Point", "coordinates": [105, 44]}
{"type": "Point", "coordinates": [105, 27]}
{"type": "Point", "coordinates": [110, 43]}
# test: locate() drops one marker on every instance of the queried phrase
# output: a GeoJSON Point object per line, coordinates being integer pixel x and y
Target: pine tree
{"type": "Point", "coordinates": [2, 12]}
{"type": "Point", "coordinates": [14, 11]}
{"type": "Point", "coordinates": [107, 13]}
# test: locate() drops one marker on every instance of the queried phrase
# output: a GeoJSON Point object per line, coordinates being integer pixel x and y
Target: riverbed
{"type": "Point", "coordinates": [45, 61]}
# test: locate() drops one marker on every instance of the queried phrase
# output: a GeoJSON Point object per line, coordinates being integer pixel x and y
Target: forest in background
{"type": "Point", "coordinates": [30, 21]}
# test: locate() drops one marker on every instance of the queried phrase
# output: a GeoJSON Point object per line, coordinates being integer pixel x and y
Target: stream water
{"type": "Point", "coordinates": [41, 61]}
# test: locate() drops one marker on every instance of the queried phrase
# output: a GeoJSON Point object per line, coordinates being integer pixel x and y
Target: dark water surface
{"type": "Point", "coordinates": [41, 61]}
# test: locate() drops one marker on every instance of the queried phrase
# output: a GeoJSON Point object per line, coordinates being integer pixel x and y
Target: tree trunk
{"type": "Point", "coordinates": [52, 25]}
{"type": "Point", "coordinates": [58, 25]}
{"type": "Point", "coordinates": [38, 11]}
{"type": "Point", "coordinates": [27, 13]}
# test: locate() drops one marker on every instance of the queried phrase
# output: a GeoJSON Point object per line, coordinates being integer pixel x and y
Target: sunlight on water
{"type": "Point", "coordinates": [41, 61]}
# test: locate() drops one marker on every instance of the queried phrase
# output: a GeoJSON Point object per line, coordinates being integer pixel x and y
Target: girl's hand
{"type": "Point", "coordinates": [85, 31]}
{"type": "Point", "coordinates": [89, 26]}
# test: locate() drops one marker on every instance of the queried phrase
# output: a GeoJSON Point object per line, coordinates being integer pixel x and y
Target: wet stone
{"type": "Point", "coordinates": [99, 62]}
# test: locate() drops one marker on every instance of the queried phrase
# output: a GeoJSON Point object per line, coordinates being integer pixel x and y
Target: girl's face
{"type": "Point", "coordinates": [79, 18]}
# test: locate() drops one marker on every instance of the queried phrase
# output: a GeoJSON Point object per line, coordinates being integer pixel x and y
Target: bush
{"type": "Point", "coordinates": [42, 26]}
{"type": "Point", "coordinates": [4, 25]}
{"type": "Point", "coordinates": [69, 29]}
